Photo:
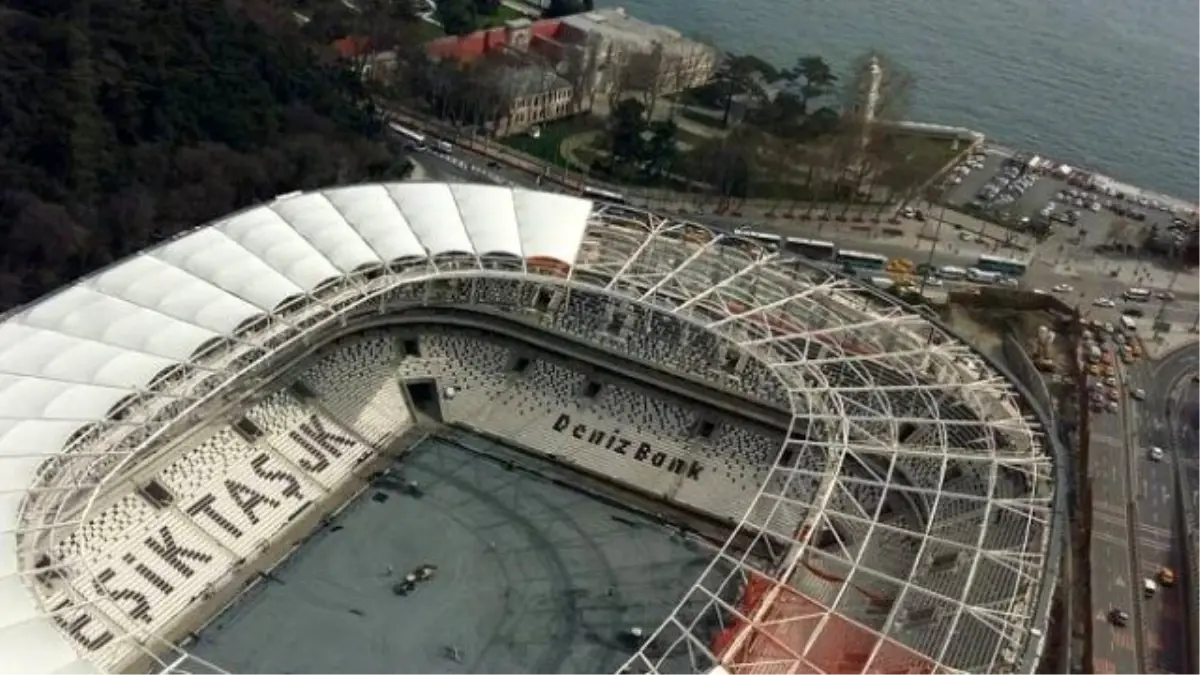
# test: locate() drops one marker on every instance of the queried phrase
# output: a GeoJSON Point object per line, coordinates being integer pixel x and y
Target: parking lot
{"type": "Point", "coordinates": [1078, 217]}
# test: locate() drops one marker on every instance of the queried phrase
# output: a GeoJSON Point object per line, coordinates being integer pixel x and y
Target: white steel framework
{"type": "Point", "coordinates": [925, 490]}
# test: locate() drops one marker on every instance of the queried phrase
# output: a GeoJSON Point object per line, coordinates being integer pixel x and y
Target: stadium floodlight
{"type": "Point", "coordinates": [907, 516]}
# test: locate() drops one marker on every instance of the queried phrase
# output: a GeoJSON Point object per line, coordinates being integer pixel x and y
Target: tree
{"type": "Point", "coordinates": [818, 80]}
{"type": "Point", "coordinates": [626, 125]}
{"type": "Point", "coordinates": [742, 75]}
{"type": "Point", "coordinates": [457, 17]}
{"type": "Point", "coordinates": [660, 151]}
{"type": "Point", "coordinates": [207, 113]}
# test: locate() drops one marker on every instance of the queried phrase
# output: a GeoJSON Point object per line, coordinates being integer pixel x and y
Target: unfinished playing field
{"type": "Point", "coordinates": [532, 576]}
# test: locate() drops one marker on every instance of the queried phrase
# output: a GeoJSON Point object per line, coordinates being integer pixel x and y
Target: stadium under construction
{"type": "Point", "coordinates": [463, 428]}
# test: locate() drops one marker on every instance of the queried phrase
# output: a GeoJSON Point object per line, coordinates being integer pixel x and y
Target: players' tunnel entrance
{"type": "Point", "coordinates": [425, 398]}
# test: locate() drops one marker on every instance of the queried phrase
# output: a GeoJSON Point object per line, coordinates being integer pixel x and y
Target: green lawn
{"type": "Point", "coordinates": [545, 147]}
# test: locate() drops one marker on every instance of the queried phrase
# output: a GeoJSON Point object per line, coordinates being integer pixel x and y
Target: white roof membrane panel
{"type": "Point", "coordinates": [489, 218]}
{"type": "Point", "coordinates": [86, 314]}
{"type": "Point", "coordinates": [434, 217]}
{"type": "Point", "coordinates": [34, 352]}
{"type": "Point", "coordinates": [552, 225]}
{"type": "Point", "coordinates": [149, 282]}
{"type": "Point", "coordinates": [270, 238]}
{"type": "Point", "coordinates": [316, 219]}
{"type": "Point", "coordinates": [376, 217]}
{"type": "Point", "coordinates": [213, 257]}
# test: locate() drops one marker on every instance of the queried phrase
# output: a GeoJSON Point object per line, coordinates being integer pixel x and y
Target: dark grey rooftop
{"type": "Point", "coordinates": [532, 577]}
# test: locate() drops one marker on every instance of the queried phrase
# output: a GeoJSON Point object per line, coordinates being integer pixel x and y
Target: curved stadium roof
{"type": "Point", "coordinates": [161, 332]}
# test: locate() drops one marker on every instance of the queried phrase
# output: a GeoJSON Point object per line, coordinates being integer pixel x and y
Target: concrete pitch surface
{"type": "Point", "coordinates": [532, 577]}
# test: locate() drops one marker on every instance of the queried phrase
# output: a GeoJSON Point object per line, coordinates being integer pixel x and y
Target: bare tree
{"type": "Point", "coordinates": [583, 66]}
{"type": "Point", "coordinates": [616, 75]}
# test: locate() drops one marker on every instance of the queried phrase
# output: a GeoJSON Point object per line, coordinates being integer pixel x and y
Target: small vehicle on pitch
{"type": "Point", "coordinates": [1166, 577]}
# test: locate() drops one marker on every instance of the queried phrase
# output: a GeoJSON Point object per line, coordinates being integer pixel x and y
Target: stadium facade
{"type": "Point", "coordinates": [907, 503]}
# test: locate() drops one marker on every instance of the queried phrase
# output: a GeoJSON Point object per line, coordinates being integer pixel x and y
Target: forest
{"type": "Point", "coordinates": [123, 123]}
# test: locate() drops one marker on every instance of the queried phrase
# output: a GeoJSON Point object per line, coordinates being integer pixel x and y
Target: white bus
{"type": "Point", "coordinates": [857, 260]}
{"type": "Point", "coordinates": [1136, 294]}
{"type": "Point", "coordinates": [813, 249]}
{"type": "Point", "coordinates": [1006, 266]}
{"type": "Point", "coordinates": [404, 131]}
{"type": "Point", "coordinates": [768, 239]}
{"type": "Point", "coordinates": [952, 273]}
{"type": "Point", "coordinates": [982, 276]}
{"type": "Point", "coordinates": [604, 195]}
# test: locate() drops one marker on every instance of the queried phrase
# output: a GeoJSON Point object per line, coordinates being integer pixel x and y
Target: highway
{"type": "Point", "coordinates": [1167, 420]}
{"type": "Point", "coordinates": [1113, 583]}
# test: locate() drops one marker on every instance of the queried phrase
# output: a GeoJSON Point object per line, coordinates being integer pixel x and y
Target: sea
{"type": "Point", "coordinates": [1106, 85]}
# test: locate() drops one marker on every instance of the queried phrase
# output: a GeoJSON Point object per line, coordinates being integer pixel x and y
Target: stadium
{"type": "Point", "coordinates": [463, 428]}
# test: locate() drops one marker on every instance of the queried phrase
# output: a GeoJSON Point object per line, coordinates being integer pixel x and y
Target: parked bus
{"type": "Point", "coordinates": [1005, 266]}
{"type": "Point", "coordinates": [603, 195]}
{"type": "Point", "coordinates": [1136, 294]}
{"type": "Point", "coordinates": [768, 239]}
{"type": "Point", "coordinates": [404, 131]}
{"type": "Point", "coordinates": [814, 249]}
{"type": "Point", "coordinates": [952, 273]}
{"type": "Point", "coordinates": [857, 260]}
{"type": "Point", "coordinates": [983, 276]}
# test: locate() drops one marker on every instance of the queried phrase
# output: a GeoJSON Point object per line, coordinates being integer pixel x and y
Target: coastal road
{"type": "Point", "coordinates": [1114, 583]}
{"type": "Point", "coordinates": [1157, 536]}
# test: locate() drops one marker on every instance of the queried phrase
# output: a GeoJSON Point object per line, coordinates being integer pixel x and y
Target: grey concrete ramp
{"type": "Point", "coordinates": [532, 577]}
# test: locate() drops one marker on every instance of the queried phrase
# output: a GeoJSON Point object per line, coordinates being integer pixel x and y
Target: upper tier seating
{"type": "Point", "coordinates": [357, 382]}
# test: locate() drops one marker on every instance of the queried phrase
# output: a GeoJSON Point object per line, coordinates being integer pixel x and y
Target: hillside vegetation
{"type": "Point", "coordinates": [123, 122]}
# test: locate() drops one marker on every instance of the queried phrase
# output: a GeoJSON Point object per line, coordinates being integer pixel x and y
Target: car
{"type": "Point", "coordinates": [1118, 617]}
{"type": "Point", "coordinates": [1135, 312]}
{"type": "Point", "coordinates": [1165, 295]}
{"type": "Point", "coordinates": [931, 281]}
{"type": "Point", "coordinates": [1063, 288]}
{"type": "Point", "coordinates": [1156, 453]}
{"type": "Point", "coordinates": [1166, 577]}
{"type": "Point", "coordinates": [1104, 302]}
{"type": "Point", "coordinates": [1113, 407]}
{"type": "Point", "coordinates": [1149, 587]}
{"type": "Point", "coordinates": [1138, 394]}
